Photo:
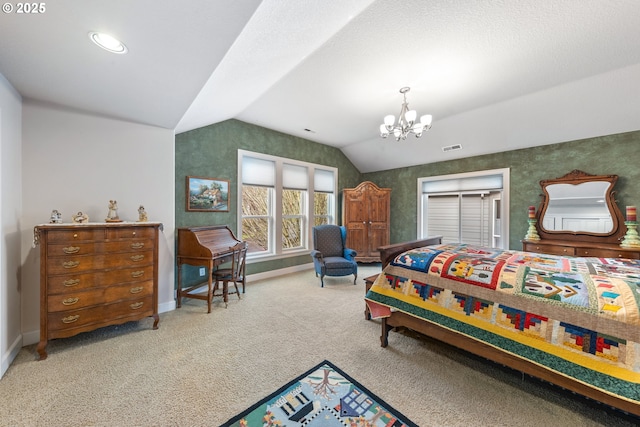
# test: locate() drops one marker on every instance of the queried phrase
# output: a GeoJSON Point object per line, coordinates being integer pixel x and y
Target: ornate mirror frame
{"type": "Point", "coordinates": [576, 177]}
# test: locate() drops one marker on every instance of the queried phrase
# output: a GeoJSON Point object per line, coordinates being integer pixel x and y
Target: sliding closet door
{"type": "Point", "coordinates": [443, 217]}
{"type": "Point", "coordinates": [460, 217]}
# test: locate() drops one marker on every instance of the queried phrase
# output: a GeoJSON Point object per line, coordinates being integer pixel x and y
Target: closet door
{"type": "Point", "coordinates": [379, 212]}
{"type": "Point", "coordinates": [355, 217]}
{"type": "Point", "coordinates": [443, 213]}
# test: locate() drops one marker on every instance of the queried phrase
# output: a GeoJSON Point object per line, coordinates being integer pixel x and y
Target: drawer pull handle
{"type": "Point", "coordinates": [136, 305]}
{"type": "Point", "coordinates": [70, 301]}
{"type": "Point", "coordinates": [136, 290]}
{"type": "Point", "coordinates": [71, 264]}
{"type": "Point", "coordinates": [138, 273]}
{"type": "Point", "coordinates": [133, 234]}
{"type": "Point", "coordinates": [71, 282]}
{"type": "Point", "coordinates": [137, 245]}
{"type": "Point", "coordinates": [71, 250]}
{"type": "Point", "coordinates": [136, 258]}
{"type": "Point", "coordinates": [70, 319]}
{"type": "Point", "coordinates": [75, 236]}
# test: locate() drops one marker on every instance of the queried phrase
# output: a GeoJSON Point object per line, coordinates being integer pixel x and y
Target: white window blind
{"type": "Point", "coordinates": [475, 220]}
{"type": "Point", "coordinates": [485, 182]}
{"type": "Point", "coordinates": [443, 213]}
{"type": "Point", "coordinates": [295, 177]}
{"type": "Point", "coordinates": [258, 172]}
{"type": "Point", "coordinates": [323, 181]}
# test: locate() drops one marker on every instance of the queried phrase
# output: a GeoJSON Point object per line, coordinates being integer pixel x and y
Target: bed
{"type": "Point", "coordinates": [571, 321]}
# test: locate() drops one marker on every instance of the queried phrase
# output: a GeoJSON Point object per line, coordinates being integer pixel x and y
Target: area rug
{"type": "Point", "coordinates": [324, 396]}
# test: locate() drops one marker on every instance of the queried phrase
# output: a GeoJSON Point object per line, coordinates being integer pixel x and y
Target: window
{"type": "Point", "coordinates": [467, 208]}
{"type": "Point", "coordinates": [276, 207]}
{"type": "Point", "coordinates": [323, 197]}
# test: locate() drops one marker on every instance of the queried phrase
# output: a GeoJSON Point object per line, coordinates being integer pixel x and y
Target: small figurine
{"type": "Point", "coordinates": [142, 214]}
{"type": "Point", "coordinates": [80, 218]}
{"type": "Point", "coordinates": [56, 217]}
{"type": "Point", "coordinates": [112, 216]}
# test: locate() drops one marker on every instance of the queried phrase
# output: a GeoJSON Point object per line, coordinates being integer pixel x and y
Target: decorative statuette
{"type": "Point", "coordinates": [532, 233]}
{"type": "Point", "coordinates": [142, 214]}
{"type": "Point", "coordinates": [631, 239]}
{"type": "Point", "coordinates": [56, 217]}
{"type": "Point", "coordinates": [112, 216]}
{"type": "Point", "coordinates": [80, 218]}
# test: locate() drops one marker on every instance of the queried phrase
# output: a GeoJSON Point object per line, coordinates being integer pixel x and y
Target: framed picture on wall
{"type": "Point", "coordinates": [207, 194]}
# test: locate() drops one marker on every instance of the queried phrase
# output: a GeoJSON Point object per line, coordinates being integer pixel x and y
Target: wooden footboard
{"type": "Point", "coordinates": [387, 253]}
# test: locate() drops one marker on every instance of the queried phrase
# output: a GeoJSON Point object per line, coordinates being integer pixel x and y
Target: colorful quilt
{"type": "Point", "coordinates": [577, 316]}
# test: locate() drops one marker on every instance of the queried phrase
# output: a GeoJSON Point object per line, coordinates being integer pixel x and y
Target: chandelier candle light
{"type": "Point", "coordinates": [406, 122]}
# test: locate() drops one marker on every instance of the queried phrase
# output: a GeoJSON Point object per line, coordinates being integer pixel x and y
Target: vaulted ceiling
{"type": "Point", "coordinates": [495, 75]}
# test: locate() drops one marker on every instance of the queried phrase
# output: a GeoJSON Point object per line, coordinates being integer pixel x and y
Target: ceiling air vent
{"type": "Point", "coordinates": [452, 148]}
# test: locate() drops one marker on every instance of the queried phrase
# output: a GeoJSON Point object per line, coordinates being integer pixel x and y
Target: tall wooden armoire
{"type": "Point", "coordinates": [365, 214]}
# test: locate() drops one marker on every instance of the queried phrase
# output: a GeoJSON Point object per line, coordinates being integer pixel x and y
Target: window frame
{"type": "Point", "coordinates": [276, 250]}
{"type": "Point", "coordinates": [504, 199]}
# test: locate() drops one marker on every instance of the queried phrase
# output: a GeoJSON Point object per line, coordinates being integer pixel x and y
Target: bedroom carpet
{"type": "Point", "coordinates": [201, 369]}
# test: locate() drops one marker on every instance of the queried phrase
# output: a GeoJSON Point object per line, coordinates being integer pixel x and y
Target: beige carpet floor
{"type": "Point", "coordinates": [200, 369]}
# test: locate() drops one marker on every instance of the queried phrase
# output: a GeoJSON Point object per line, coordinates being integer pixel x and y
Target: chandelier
{"type": "Point", "coordinates": [406, 122]}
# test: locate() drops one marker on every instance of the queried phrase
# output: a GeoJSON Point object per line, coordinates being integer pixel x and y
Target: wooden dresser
{"type": "Point", "coordinates": [580, 199]}
{"type": "Point", "coordinates": [94, 275]}
{"type": "Point", "coordinates": [366, 215]}
{"type": "Point", "coordinates": [581, 249]}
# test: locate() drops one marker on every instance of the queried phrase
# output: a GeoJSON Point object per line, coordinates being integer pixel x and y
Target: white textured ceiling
{"type": "Point", "coordinates": [496, 75]}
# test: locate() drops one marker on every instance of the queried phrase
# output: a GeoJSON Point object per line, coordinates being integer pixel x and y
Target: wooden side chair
{"type": "Point", "coordinates": [235, 273]}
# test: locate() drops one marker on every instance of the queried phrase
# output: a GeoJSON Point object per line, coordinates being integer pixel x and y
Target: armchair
{"type": "Point", "coordinates": [329, 254]}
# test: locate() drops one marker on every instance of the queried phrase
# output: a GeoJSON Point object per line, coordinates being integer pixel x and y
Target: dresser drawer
{"type": "Point", "coordinates": [73, 264]}
{"type": "Point", "coordinates": [95, 296]}
{"type": "Point", "coordinates": [90, 248]}
{"type": "Point", "coordinates": [130, 233]}
{"type": "Point", "coordinates": [549, 249]}
{"type": "Point", "coordinates": [75, 235]}
{"type": "Point", "coordinates": [137, 308]}
{"type": "Point", "coordinates": [75, 282]}
{"type": "Point", "coordinates": [73, 248]}
{"type": "Point", "coordinates": [606, 253]}
{"type": "Point", "coordinates": [128, 245]}
{"type": "Point", "coordinates": [128, 291]}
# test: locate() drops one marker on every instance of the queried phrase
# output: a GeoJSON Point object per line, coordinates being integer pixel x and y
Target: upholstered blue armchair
{"type": "Point", "coordinates": [330, 257]}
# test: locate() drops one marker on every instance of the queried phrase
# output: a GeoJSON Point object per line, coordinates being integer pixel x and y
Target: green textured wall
{"type": "Point", "coordinates": [608, 155]}
{"type": "Point", "coordinates": [212, 151]}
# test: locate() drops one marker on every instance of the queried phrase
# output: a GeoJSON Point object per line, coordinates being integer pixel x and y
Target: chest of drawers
{"type": "Point", "coordinates": [95, 275]}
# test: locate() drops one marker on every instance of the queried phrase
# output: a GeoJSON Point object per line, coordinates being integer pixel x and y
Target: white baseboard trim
{"type": "Point", "coordinates": [275, 273]}
{"type": "Point", "coordinates": [11, 354]}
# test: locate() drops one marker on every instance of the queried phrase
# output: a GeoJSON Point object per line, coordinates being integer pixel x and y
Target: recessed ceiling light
{"type": "Point", "coordinates": [107, 42]}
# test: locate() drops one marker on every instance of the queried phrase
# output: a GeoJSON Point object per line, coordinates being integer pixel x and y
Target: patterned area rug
{"type": "Point", "coordinates": [323, 396]}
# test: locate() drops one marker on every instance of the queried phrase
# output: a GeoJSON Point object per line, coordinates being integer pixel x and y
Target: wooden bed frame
{"type": "Point", "coordinates": [399, 320]}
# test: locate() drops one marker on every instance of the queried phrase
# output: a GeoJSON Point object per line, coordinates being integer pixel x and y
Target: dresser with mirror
{"type": "Point", "coordinates": [579, 216]}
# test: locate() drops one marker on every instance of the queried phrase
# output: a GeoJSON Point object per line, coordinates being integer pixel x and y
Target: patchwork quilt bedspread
{"type": "Point", "coordinates": [577, 316]}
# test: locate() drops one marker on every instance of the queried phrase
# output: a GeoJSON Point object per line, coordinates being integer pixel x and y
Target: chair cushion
{"type": "Point", "coordinates": [338, 263]}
